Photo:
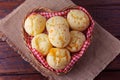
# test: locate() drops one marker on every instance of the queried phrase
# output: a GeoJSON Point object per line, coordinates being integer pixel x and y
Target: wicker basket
{"type": "Point", "coordinates": [76, 56]}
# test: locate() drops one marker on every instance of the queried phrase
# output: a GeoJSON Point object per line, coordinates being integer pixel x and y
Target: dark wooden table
{"type": "Point", "coordinates": [105, 12]}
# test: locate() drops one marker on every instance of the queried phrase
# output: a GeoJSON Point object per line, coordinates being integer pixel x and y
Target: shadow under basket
{"type": "Point", "coordinates": [74, 57]}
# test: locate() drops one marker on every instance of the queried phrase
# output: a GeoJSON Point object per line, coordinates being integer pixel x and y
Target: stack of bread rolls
{"type": "Point", "coordinates": [58, 37]}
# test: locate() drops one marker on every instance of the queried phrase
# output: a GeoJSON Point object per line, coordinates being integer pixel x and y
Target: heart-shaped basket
{"type": "Point", "coordinates": [74, 57]}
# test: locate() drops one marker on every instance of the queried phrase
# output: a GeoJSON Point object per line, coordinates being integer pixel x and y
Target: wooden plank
{"type": "Point", "coordinates": [102, 76]}
{"type": "Point", "coordinates": [114, 65]}
{"type": "Point", "coordinates": [96, 2]}
{"type": "Point", "coordinates": [37, 76]}
{"type": "Point", "coordinates": [15, 65]}
{"type": "Point", "coordinates": [11, 62]}
{"type": "Point", "coordinates": [6, 51]}
{"type": "Point", "coordinates": [23, 77]}
{"type": "Point", "coordinates": [7, 6]}
{"type": "Point", "coordinates": [10, 3]}
{"type": "Point", "coordinates": [107, 17]}
{"type": "Point", "coordinates": [112, 75]}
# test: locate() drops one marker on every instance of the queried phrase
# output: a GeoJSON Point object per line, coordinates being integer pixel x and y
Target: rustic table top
{"type": "Point", "coordinates": [105, 12]}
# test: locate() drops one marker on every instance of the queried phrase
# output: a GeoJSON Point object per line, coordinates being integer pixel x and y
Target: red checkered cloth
{"type": "Point", "coordinates": [75, 56]}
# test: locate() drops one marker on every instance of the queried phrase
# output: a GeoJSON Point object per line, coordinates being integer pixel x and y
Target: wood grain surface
{"type": "Point", "coordinates": [105, 12]}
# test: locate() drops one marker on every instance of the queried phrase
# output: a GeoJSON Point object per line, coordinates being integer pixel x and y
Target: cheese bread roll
{"type": "Point", "coordinates": [34, 24]}
{"type": "Point", "coordinates": [59, 36]}
{"type": "Point", "coordinates": [55, 21]}
{"type": "Point", "coordinates": [78, 20]}
{"type": "Point", "coordinates": [58, 58]}
{"type": "Point", "coordinates": [77, 40]}
{"type": "Point", "coordinates": [58, 31]}
{"type": "Point", "coordinates": [41, 43]}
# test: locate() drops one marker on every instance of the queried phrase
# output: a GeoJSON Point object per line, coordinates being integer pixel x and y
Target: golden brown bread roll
{"type": "Point", "coordinates": [41, 43]}
{"type": "Point", "coordinates": [78, 20]}
{"type": "Point", "coordinates": [58, 58]}
{"type": "Point", "coordinates": [77, 40]}
{"type": "Point", "coordinates": [58, 31]}
{"type": "Point", "coordinates": [34, 24]}
{"type": "Point", "coordinates": [55, 21]}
